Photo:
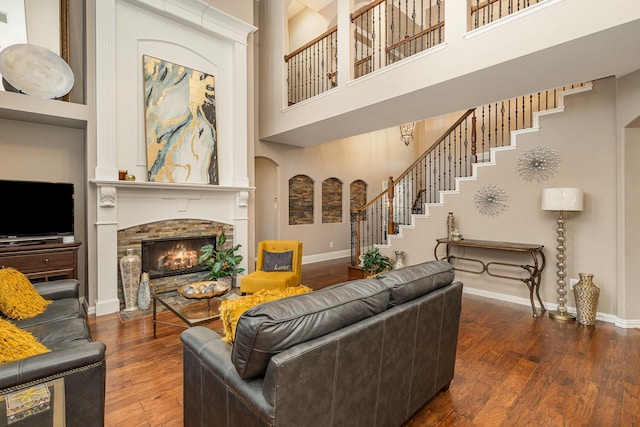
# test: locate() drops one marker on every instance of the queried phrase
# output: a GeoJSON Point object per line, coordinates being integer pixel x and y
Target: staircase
{"type": "Point", "coordinates": [458, 156]}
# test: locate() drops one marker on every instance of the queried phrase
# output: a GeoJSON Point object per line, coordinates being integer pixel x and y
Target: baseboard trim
{"type": "Point", "coordinates": [327, 256]}
{"type": "Point", "coordinates": [605, 317]}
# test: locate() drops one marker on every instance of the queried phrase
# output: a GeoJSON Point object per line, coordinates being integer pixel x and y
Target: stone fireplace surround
{"type": "Point", "coordinates": [191, 33]}
{"type": "Point", "coordinates": [176, 230]}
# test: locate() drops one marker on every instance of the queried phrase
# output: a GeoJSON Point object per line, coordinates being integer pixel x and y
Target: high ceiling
{"type": "Point", "coordinates": [295, 6]}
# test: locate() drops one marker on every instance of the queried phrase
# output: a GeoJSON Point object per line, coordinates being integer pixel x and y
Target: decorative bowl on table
{"type": "Point", "coordinates": [207, 289]}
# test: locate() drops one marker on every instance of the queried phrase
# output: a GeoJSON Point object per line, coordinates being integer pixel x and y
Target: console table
{"type": "Point", "coordinates": [46, 261]}
{"type": "Point", "coordinates": [533, 270]}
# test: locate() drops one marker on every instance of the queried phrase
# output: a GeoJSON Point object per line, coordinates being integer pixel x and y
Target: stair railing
{"type": "Point", "coordinates": [312, 68]}
{"type": "Point", "coordinates": [434, 171]}
{"type": "Point", "coordinates": [451, 156]}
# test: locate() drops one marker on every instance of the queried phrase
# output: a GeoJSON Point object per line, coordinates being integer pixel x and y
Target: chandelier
{"type": "Point", "coordinates": [406, 132]}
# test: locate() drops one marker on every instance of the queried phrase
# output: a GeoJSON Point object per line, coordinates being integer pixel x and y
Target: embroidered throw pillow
{"type": "Point", "coordinates": [277, 261]}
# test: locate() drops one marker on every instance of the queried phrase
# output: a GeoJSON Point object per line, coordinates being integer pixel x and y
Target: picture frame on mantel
{"type": "Point", "coordinates": [180, 123]}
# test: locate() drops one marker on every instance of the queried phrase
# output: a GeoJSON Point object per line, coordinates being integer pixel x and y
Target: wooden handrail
{"type": "Point", "coordinates": [431, 148]}
{"type": "Point", "coordinates": [365, 9]}
{"type": "Point", "coordinates": [311, 43]}
{"type": "Point", "coordinates": [481, 5]}
{"type": "Point", "coordinates": [415, 36]}
{"type": "Point", "coordinates": [435, 144]}
{"type": "Point", "coordinates": [362, 60]}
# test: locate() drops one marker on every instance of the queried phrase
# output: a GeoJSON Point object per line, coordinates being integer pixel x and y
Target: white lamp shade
{"type": "Point", "coordinates": [562, 199]}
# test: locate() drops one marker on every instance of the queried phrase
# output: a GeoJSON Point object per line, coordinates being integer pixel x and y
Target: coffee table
{"type": "Point", "coordinates": [192, 311]}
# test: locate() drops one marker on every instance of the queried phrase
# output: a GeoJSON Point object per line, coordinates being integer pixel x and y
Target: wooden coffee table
{"type": "Point", "coordinates": [191, 311]}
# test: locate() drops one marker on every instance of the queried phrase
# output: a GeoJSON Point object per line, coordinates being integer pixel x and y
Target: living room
{"type": "Point", "coordinates": [87, 144]}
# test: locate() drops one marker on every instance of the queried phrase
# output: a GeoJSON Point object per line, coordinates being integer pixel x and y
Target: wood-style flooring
{"type": "Point", "coordinates": [511, 369]}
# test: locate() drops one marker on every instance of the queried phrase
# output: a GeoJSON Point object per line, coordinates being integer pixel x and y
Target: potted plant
{"type": "Point", "coordinates": [222, 262]}
{"type": "Point", "coordinates": [374, 262]}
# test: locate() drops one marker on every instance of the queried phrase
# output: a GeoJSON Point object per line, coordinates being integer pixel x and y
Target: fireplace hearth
{"type": "Point", "coordinates": [174, 255]}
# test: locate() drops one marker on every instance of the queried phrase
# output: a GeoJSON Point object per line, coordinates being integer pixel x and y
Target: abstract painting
{"type": "Point", "coordinates": [180, 123]}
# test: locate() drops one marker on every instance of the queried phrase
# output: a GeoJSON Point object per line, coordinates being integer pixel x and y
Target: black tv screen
{"type": "Point", "coordinates": [35, 208]}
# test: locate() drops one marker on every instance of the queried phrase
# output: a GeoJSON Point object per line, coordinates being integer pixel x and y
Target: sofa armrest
{"type": "Point", "coordinates": [205, 354]}
{"type": "Point", "coordinates": [82, 370]}
{"type": "Point", "coordinates": [51, 364]}
{"type": "Point", "coordinates": [58, 289]}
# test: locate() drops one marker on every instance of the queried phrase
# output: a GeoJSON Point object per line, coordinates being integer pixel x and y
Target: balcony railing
{"type": "Point", "coordinates": [388, 31]}
{"type": "Point", "coordinates": [383, 32]}
{"type": "Point", "coordinates": [487, 11]}
{"type": "Point", "coordinates": [312, 68]}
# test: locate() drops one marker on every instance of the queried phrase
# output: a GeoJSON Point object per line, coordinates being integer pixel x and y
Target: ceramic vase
{"type": "Point", "coordinates": [130, 267]}
{"type": "Point", "coordinates": [586, 294]}
{"type": "Point", "coordinates": [144, 293]}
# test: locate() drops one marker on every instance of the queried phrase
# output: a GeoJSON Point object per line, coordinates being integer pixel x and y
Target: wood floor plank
{"type": "Point", "coordinates": [511, 369]}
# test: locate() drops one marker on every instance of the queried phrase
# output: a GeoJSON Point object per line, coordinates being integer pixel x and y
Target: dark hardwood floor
{"type": "Point", "coordinates": [511, 369]}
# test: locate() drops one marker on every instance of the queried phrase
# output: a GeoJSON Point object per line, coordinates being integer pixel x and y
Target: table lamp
{"type": "Point", "coordinates": [561, 200]}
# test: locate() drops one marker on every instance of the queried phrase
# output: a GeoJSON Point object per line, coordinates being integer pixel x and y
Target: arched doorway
{"type": "Point", "coordinates": [267, 199]}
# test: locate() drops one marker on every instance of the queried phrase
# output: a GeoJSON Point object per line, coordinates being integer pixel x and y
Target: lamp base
{"type": "Point", "coordinates": [561, 316]}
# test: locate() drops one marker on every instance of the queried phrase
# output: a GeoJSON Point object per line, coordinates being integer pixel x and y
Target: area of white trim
{"type": "Point", "coordinates": [605, 317]}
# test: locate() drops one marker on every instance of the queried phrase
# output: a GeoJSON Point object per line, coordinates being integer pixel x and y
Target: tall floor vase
{"type": "Point", "coordinates": [587, 295]}
{"type": "Point", "coordinates": [130, 268]}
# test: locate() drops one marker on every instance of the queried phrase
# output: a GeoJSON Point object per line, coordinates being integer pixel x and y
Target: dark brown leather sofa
{"type": "Point", "coordinates": [369, 352]}
{"type": "Point", "coordinates": [74, 370]}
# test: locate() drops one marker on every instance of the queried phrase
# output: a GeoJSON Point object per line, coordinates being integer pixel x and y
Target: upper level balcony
{"type": "Point", "coordinates": [388, 62]}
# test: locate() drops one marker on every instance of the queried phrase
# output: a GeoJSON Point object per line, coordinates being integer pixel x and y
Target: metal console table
{"type": "Point", "coordinates": [534, 270]}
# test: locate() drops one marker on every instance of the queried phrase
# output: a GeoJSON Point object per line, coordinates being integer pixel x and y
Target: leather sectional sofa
{"type": "Point", "coordinates": [74, 370]}
{"type": "Point", "coordinates": [368, 352]}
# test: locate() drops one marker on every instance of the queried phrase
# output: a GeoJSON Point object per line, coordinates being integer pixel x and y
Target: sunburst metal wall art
{"type": "Point", "coordinates": [538, 164]}
{"type": "Point", "coordinates": [491, 200]}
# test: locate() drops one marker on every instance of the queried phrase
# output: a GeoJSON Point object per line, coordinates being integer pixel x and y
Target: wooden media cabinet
{"type": "Point", "coordinates": [42, 261]}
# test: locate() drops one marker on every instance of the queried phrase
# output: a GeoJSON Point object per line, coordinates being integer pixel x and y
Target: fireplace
{"type": "Point", "coordinates": [174, 255]}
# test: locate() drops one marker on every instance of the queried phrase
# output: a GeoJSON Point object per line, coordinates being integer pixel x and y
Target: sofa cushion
{"type": "Point", "coordinates": [411, 282]}
{"type": "Point", "coordinates": [59, 309]}
{"type": "Point", "coordinates": [59, 334]}
{"type": "Point", "coordinates": [270, 328]}
{"type": "Point", "coordinates": [17, 344]}
{"type": "Point", "coordinates": [18, 298]}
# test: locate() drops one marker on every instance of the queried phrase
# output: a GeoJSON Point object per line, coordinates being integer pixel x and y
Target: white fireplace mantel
{"type": "Point", "coordinates": [183, 30]}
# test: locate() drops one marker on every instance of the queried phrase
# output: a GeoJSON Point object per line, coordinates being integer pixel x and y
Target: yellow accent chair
{"type": "Point", "coordinates": [283, 272]}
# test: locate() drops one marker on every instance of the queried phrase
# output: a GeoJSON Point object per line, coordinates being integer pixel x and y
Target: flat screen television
{"type": "Point", "coordinates": [34, 210]}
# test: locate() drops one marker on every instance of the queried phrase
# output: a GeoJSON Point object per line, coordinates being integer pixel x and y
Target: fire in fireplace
{"type": "Point", "coordinates": [173, 256]}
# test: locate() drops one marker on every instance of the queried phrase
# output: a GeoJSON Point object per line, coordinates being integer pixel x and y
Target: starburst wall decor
{"type": "Point", "coordinates": [538, 164]}
{"type": "Point", "coordinates": [491, 200]}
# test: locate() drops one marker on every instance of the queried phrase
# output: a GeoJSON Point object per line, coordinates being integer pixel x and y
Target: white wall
{"type": "Point", "coordinates": [584, 136]}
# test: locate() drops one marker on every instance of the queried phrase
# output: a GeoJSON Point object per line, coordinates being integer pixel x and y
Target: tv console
{"type": "Point", "coordinates": [42, 261]}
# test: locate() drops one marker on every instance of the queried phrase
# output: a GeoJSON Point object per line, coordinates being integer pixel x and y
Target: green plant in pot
{"type": "Point", "coordinates": [374, 262]}
{"type": "Point", "coordinates": [222, 261]}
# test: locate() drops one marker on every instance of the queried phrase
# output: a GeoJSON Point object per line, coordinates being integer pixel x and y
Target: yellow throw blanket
{"type": "Point", "coordinates": [232, 309]}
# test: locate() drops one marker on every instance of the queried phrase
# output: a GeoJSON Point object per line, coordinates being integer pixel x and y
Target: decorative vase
{"type": "Point", "coordinates": [451, 225]}
{"type": "Point", "coordinates": [227, 279]}
{"type": "Point", "coordinates": [399, 259]}
{"type": "Point", "coordinates": [586, 294]}
{"type": "Point", "coordinates": [144, 293]}
{"type": "Point", "coordinates": [130, 266]}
